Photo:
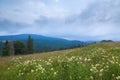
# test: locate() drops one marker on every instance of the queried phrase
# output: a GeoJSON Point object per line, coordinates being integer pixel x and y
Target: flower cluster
{"type": "Point", "coordinates": [99, 64]}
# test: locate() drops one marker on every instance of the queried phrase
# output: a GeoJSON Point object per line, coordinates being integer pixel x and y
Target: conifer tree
{"type": "Point", "coordinates": [5, 49]}
{"type": "Point", "coordinates": [30, 45]}
{"type": "Point", "coordinates": [19, 47]}
{"type": "Point", "coordinates": [11, 48]}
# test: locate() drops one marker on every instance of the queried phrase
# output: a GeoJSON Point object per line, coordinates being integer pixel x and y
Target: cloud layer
{"type": "Point", "coordinates": [70, 19]}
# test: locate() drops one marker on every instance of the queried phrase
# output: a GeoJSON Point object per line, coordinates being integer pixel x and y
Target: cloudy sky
{"type": "Point", "coordinates": [69, 19]}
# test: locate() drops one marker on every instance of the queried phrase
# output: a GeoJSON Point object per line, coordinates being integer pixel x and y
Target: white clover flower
{"type": "Point", "coordinates": [89, 59]}
{"type": "Point", "coordinates": [51, 69]}
{"type": "Point", "coordinates": [8, 68]}
{"type": "Point", "coordinates": [78, 62]}
{"type": "Point", "coordinates": [113, 57]}
{"type": "Point", "coordinates": [91, 70]}
{"type": "Point", "coordinates": [112, 62]}
{"type": "Point", "coordinates": [48, 63]}
{"type": "Point", "coordinates": [80, 58]}
{"type": "Point", "coordinates": [32, 70]}
{"type": "Point", "coordinates": [55, 73]}
{"type": "Point", "coordinates": [101, 70]}
{"type": "Point", "coordinates": [42, 71]}
{"type": "Point", "coordinates": [85, 59]}
{"type": "Point", "coordinates": [20, 74]}
{"type": "Point", "coordinates": [107, 66]}
{"type": "Point", "coordinates": [113, 75]}
{"type": "Point", "coordinates": [36, 70]}
{"type": "Point", "coordinates": [116, 62]}
{"type": "Point", "coordinates": [97, 65]}
{"type": "Point", "coordinates": [91, 77]}
{"type": "Point", "coordinates": [118, 77]}
{"type": "Point", "coordinates": [49, 60]}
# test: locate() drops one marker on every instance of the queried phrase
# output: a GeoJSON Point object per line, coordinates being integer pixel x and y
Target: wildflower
{"type": "Point", "coordinates": [49, 59]}
{"type": "Point", "coordinates": [91, 77]}
{"type": "Point", "coordinates": [22, 73]}
{"type": "Point", "coordinates": [48, 63]}
{"type": "Point", "coordinates": [101, 70]}
{"type": "Point", "coordinates": [51, 69]}
{"type": "Point", "coordinates": [113, 75]}
{"type": "Point", "coordinates": [78, 62]}
{"type": "Point", "coordinates": [97, 65]}
{"type": "Point", "coordinates": [89, 59]}
{"type": "Point", "coordinates": [8, 68]}
{"type": "Point", "coordinates": [55, 73]}
{"type": "Point", "coordinates": [85, 59]}
{"type": "Point", "coordinates": [107, 66]}
{"type": "Point", "coordinates": [32, 70]}
{"type": "Point", "coordinates": [118, 78]}
{"type": "Point", "coordinates": [91, 70]}
{"type": "Point", "coordinates": [36, 70]}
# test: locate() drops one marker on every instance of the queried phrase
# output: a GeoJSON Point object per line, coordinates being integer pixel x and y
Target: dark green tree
{"type": "Point", "coordinates": [30, 45]}
{"type": "Point", "coordinates": [11, 48]}
{"type": "Point", "coordinates": [5, 49]}
{"type": "Point", "coordinates": [19, 47]}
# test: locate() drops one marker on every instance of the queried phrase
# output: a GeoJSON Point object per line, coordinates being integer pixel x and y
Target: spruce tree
{"type": "Point", "coordinates": [30, 45]}
{"type": "Point", "coordinates": [19, 47]}
{"type": "Point", "coordinates": [11, 48]}
{"type": "Point", "coordinates": [5, 49]}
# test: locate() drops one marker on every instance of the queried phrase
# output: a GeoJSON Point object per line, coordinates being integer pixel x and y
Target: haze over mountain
{"type": "Point", "coordinates": [69, 19]}
{"type": "Point", "coordinates": [43, 43]}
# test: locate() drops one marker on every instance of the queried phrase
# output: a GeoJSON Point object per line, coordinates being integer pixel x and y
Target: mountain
{"type": "Point", "coordinates": [43, 43]}
{"type": "Point", "coordinates": [25, 36]}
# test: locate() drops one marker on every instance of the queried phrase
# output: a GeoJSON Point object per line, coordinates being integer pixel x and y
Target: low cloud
{"type": "Point", "coordinates": [70, 19]}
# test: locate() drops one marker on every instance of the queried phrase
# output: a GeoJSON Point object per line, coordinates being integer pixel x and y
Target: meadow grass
{"type": "Point", "coordinates": [95, 62]}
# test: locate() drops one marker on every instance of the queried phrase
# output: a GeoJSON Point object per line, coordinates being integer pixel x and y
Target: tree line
{"type": "Point", "coordinates": [11, 48]}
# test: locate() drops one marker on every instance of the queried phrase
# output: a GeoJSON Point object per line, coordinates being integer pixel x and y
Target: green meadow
{"type": "Point", "coordinates": [99, 61]}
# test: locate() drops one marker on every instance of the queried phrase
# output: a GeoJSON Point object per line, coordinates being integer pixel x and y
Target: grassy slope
{"type": "Point", "coordinates": [82, 63]}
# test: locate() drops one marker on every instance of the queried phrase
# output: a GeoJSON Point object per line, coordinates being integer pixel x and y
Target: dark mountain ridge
{"type": "Point", "coordinates": [43, 43]}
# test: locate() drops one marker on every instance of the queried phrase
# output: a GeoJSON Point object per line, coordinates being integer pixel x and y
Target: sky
{"type": "Point", "coordinates": [69, 19]}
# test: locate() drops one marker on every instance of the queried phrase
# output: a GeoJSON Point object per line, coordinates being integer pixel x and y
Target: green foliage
{"type": "Point", "coordinates": [11, 48]}
{"type": "Point", "coordinates": [19, 47]}
{"type": "Point", "coordinates": [43, 45]}
{"type": "Point", "coordinates": [30, 45]}
{"type": "Point", "coordinates": [106, 41]}
{"type": "Point", "coordinates": [5, 49]}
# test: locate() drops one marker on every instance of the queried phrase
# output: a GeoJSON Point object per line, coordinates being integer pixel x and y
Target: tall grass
{"type": "Point", "coordinates": [95, 62]}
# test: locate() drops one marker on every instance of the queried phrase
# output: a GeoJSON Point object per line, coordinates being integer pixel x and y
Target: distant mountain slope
{"type": "Point", "coordinates": [25, 36]}
{"type": "Point", "coordinates": [43, 43]}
